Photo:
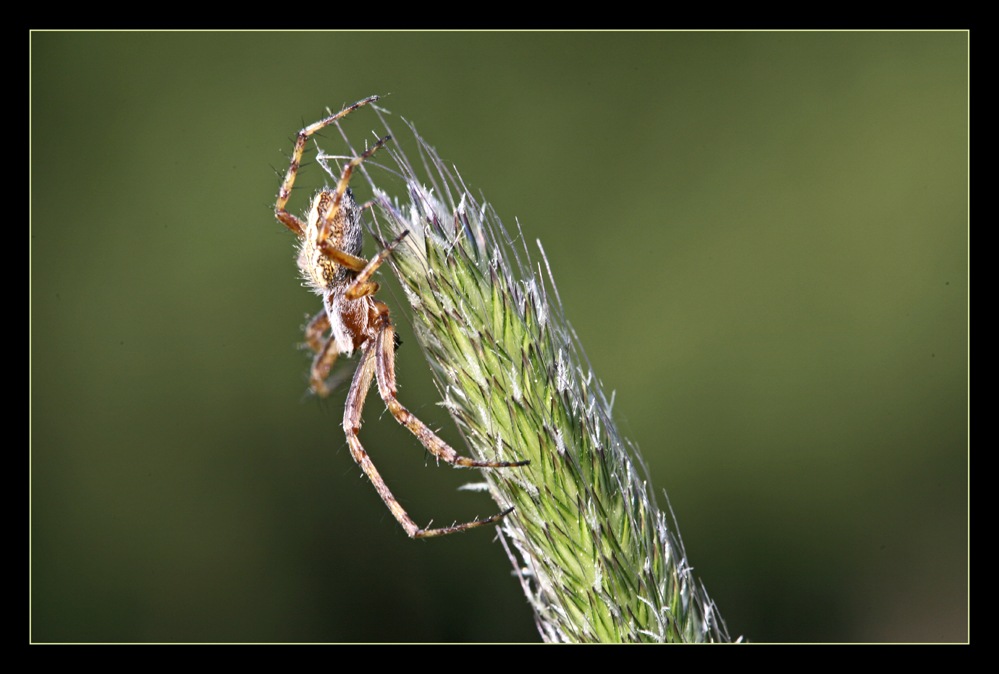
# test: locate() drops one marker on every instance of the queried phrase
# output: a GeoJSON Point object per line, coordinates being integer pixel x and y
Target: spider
{"type": "Point", "coordinates": [330, 243]}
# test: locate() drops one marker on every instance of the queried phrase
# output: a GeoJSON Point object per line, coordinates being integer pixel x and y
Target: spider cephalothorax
{"type": "Point", "coordinates": [330, 262]}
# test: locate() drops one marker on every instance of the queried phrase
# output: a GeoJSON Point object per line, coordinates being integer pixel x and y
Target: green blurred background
{"type": "Point", "coordinates": [761, 239]}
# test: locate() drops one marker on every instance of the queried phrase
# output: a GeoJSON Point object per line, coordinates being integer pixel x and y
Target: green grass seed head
{"type": "Point", "coordinates": [597, 558]}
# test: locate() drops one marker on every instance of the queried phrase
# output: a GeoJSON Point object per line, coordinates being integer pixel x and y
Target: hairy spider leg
{"type": "Point", "coordinates": [284, 193]}
{"type": "Point", "coordinates": [352, 424]}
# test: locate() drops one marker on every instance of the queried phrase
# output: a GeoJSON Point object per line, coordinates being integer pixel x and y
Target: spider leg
{"type": "Point", "coordinates": [322, 364]}
{"type": "Point", "coordinates": [352, 424]}
{"type": "Point", "coordinates": [314, 330]}
{"type": "Point", "coordinates": [343, 259]}
{"type": "Point", "coordinates": [284, 193]}
{"type": "Point", "coordinates": [341, 186]}
{"type": "Point", "coordinates": [385, 369]}
{"type": "Point", "coordinates": [361, 286]}
{"type": "Point", "coordinates": [325, 353]}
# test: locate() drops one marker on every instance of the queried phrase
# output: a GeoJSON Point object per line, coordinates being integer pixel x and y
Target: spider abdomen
{"type": "Point", "coordinates": [337, 228]}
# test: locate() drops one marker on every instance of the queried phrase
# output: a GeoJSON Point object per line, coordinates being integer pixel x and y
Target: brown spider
{"type": "Point", "coordinates": [328, 258]}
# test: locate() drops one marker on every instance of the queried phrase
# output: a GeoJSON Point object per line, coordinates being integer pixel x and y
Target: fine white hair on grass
{"type": "Point", "coordinates": [595, 555]}
{"type": "Point", "coordinates": [474, 486]}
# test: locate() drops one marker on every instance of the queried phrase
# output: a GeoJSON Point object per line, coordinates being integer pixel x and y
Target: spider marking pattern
{"type": "Point", "coordinates": [330, 241]}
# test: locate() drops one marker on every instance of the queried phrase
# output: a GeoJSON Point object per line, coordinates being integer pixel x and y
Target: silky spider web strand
{"type": "Point", "coordinates": [598, 559]}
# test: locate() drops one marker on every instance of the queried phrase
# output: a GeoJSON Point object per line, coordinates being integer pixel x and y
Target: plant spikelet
{"type": "Point", "coordinates": [597, 558]}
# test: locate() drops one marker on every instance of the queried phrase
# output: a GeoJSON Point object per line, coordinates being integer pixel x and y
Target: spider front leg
{"type": "Point", "coordinates": [352, 424]}
{"type": "Point", "coordinates": [284, 193]}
